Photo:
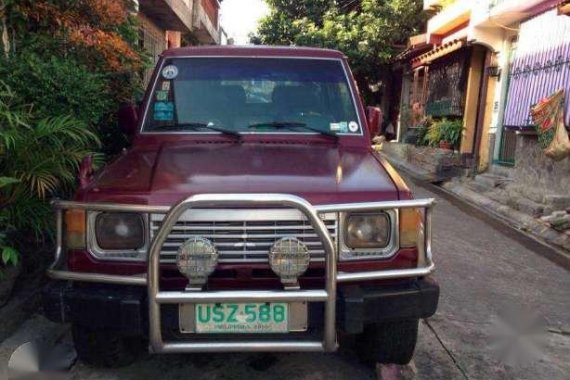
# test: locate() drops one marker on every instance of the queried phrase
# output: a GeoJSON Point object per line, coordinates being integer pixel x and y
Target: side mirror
{"type": "Point", "coordinates": [374, 118]}
{"type": "Point", "coordinates": [128, 118]}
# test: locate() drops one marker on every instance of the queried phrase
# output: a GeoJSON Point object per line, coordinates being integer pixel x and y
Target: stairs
{"type": "Point", "coordinates": [494, 184]}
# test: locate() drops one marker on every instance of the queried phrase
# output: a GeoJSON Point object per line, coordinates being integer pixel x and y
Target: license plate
{"type": "Point", "coordinates": [241, 318]}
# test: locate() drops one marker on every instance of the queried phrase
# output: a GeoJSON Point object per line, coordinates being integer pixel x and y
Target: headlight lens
{"type": "Point", "coordinates": [119, 231]}
{"type": "Point", "coordinates": [366, 230]}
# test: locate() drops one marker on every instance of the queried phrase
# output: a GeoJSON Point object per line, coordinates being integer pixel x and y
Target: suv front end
{"type": "Point", "coordinates": [271, 236]}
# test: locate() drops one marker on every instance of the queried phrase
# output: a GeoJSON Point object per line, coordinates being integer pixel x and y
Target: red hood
{"type": "Point", "coordinates": [319, 173]}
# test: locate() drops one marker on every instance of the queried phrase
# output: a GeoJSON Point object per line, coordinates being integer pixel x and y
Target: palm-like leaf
{"type": "Point", "coordinates": [41, 157]}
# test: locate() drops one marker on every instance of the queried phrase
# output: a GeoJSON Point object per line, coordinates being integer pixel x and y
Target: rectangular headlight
{"type": "Point", "coordinates": [367, 230]}
{"type": "Point", "coordinates": [119, 231]}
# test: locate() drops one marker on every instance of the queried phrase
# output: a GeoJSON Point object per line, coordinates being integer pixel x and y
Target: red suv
{"type": "Point", "coordinates": [250, 214]}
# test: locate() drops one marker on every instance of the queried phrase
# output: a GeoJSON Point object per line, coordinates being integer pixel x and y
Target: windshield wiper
{"type": "Point", "coordinates": [292, 124]}
{"type": "Point", "coordinates": [198, 125]}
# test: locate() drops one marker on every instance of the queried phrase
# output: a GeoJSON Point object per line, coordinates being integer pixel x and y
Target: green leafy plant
{"type": "Point", "coordinates": [434, 134]}
{"type": "Point", "coordinates": [422, 130]}
{"type": "Point", "coordinates": [451, 131]}
{"type": "Point", "coordinates": [39, 158]}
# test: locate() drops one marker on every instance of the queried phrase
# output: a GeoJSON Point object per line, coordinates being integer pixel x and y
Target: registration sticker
{"type": "Point", "coordinates": [165, 86]}
{"type": "Point", "coordinates": [164, 116]}
{"type": "Point", "coordinates": [170, 72]}
{"type": "Point", "coordinates": [163, 111]}
{"type": "Point", "coordinates": [343, 126]}
{"type": "Point", "coordinates": [334, 126]}
{"type": "Point", "coordinates": [164, 106]}
{"type": "Point", "coordinates": [353, 126]}
{"type": "Point", "coordinates": [162, 95]}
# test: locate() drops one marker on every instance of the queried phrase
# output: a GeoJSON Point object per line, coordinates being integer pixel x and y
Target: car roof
{"type": "Point", "coordinates": [252, 51]}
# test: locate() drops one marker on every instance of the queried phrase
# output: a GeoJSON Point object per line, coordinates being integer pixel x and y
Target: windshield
{"type": "Point", "coordinates": [257, 95]}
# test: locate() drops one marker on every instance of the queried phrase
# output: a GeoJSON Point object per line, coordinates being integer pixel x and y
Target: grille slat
{"type": "Point", "coordinates": [243, 235]}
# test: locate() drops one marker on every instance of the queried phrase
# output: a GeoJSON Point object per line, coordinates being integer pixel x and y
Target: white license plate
{"type": "Point", "coordinates": [233, 318]}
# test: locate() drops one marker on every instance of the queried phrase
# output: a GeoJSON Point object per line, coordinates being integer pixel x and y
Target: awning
{"type": "Point", "coordinates": [417, 45]}
{"type": "Point", "coordinates": [438, 52]}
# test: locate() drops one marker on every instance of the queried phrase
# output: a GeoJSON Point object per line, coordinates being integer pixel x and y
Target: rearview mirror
{"type": "Point", "coordinates": [374, 118]}
{"type": "Point", "coordinates": [128, 118]}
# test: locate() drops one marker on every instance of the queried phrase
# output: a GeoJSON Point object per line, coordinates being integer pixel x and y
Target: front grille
{"type": "Point", "coordinates": [243, 235]}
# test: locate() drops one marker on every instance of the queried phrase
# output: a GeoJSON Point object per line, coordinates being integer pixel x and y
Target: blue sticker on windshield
{"type": "Point", "coordinates": [343, 127]}
{"type": "Point", "coordinates": [163, 116]}
{"type": "Point", "coordinates": [163, 107]}
{"type": "Point", "coordinates": [163, 111]}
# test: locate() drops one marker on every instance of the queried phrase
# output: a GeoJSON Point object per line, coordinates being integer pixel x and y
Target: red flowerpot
{"type": "Point", "coordinates": [445, 145]}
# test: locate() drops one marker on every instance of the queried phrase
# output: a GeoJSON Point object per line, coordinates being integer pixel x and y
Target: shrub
{"type": "Point", "coordinates": [434, 133]}
{"type": "Point", "coordinates": [39, 158]}
{"type": "Point", "coordinates": [451, 131]}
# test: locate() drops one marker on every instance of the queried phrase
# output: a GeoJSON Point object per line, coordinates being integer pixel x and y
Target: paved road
{"type": "Point", "coordinates": [492, 288]}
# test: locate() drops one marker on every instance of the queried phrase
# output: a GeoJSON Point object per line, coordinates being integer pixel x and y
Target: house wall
{"type": "Point", "coordinates": [485, 146]}
{"type": "Point", "coordinates": [538, 177]}
{"type": "Point", "coordinates": [472, 99]}
{"type": "Point", "coordinates": [152, 39]}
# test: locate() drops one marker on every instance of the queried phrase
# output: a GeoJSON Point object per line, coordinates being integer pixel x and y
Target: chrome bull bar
{"type": "Point", "coordinates": [327, 295]}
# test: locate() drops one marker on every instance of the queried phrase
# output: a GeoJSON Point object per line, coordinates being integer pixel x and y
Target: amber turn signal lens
{"type": "Point", "coordinates": [411, 227]}
{"type": "Point", "coordinates": [75, 229]}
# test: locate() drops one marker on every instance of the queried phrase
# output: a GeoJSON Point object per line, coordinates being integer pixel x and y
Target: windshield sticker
{"type": "Point", "coordinates": [335, 127]}
{"type": "Point", "coordinates": [163, 111]}
{"type": "Point", "coordinates": [170, 72]}
{"type": "Point", "coordinates": [163, 116]}
{"type": "Point", "coordinates": [164, 107]}
{"type": "Point", "coordinates": [162, 95]}
{"type": "Point", "coordinates": [166, 86]}
{"type": "Point", "coordinates": [343, 127]}
{"type": "Point", "coordinates": [353, 126]}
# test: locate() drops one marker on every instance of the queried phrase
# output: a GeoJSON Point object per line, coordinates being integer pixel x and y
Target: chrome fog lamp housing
{"type": "Point", "coordinates": [196, 259]}
{"type": "Point", "coordinates": [289, 258]}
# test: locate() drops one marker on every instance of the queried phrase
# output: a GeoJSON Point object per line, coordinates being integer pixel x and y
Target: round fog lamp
{"type": "Point", "coordinates": [289, 258]}
{"type": "Point", "coordinates": [197, 258]}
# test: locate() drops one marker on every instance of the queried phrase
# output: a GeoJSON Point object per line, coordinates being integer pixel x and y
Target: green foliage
{"type": "Point", "coordinates": [57, 86]}
{"type": "Point", "coordinates": [39, 158]}
{"type": "Point", "coordinates": [451, 131]}
{"type": "Point", "coordinates": [433, 136]}
{"type": "Point", "coordinates": [369, 35]}
{"type": "Point", "coordinates": [422, 131]}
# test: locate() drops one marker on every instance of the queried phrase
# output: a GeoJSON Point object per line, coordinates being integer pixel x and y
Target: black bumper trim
{"type": "Point", "coordinates": [359, 305]}
{"type": "Point", "coordinates": [119, 308]}
{"type": "Point", "coordinates": [125, 309]}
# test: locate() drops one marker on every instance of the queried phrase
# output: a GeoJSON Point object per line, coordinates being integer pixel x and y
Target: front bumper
{"type": "Point", "coordinates": [328, 297]}
{"type": "Point", "coordinates": [125, 308]}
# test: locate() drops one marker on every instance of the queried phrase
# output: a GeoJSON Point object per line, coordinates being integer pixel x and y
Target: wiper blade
{"type": "Point", "coordinates": [198, 125]}
{"type": "Point", "coordinates": [292, 124]}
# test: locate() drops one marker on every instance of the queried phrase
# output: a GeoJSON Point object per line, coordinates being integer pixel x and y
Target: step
{"type": "Point", "coordinates": [501, 171]}
{"type": "Point", "coordinates": [491, 181]}
{"type": "Point", "coordinates": [526, 205]}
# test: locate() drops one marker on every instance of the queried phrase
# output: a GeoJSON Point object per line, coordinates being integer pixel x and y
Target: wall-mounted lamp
{"type": "Point", "coordinates": [494, 71]}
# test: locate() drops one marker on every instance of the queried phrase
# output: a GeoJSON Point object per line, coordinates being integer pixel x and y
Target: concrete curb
{"type": "Point", "coordinates": [523, 223]}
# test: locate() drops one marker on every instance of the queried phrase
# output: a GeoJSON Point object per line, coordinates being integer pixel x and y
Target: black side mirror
{"type": "Point", "coordinates": [374, 116]}
{"type": "Point", "coordinates": [128, 118]}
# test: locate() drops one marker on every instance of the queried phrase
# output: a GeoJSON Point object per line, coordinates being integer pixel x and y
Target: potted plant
{"type": "Point", "coordinates": [450, 133]}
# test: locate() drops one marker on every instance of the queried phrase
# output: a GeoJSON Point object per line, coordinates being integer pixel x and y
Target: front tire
{"type": "Point", "coordinates": [104, 348]}
{"type": "Point", "coordinates": [390, 342]}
